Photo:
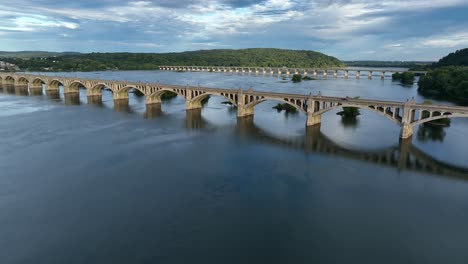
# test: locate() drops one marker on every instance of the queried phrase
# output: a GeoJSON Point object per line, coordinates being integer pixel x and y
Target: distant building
{"type": "Point", "coordinates": [8, 66]}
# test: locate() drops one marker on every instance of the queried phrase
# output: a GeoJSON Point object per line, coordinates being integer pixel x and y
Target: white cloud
{"type": "Point", "coordinates": [35, 22]}
{"type": "Point", "coordinates": [447, 41]}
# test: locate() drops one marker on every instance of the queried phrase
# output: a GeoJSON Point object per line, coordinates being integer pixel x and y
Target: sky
{"type": "Point", "coordinates": [396, 30]}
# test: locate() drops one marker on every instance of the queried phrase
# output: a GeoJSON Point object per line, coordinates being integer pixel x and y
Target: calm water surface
{"type": "Point", "coordinates": [82, 182]}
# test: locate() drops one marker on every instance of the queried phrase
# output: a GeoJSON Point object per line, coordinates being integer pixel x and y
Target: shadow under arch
{"type": "Point", "coordinates": [404, 157]}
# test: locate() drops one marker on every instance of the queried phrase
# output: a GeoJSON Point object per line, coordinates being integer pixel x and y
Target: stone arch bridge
{"type": "Point", "coordinates": [272, 71]}
{"type": "Point", "coordinates": [404, 114]}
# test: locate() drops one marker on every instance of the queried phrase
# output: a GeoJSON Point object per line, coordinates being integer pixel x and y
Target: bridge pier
{"type": "Point", "coordinates": [243, 111]}
{"type": "Point", "coordinates": [150, 100]}
{"type": "Point", "coordinates": [313, 120]}
{"type": "Point", "coordinates": [120, 96]}
{"type": "Point", "coordinates": [193, 104]}
{"type": "Point", "coordinates": [406, 131]}
{"type": "Point", "coordinates": [92, 93]}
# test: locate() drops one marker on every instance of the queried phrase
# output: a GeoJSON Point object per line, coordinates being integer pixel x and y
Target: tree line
{"type": "Point", "coordinates": [151, 61]}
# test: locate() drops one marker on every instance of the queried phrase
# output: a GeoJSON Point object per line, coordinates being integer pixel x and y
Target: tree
{"type": "Point", "coordinates": [296, 78]}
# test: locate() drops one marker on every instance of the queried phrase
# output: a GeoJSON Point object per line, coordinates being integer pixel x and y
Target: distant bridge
{"type": "Point", "coordinates": [404, 114]}
{"type": "Point", "coordinates": [315, 72]}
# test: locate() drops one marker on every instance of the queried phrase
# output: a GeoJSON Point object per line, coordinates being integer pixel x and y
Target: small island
{"type": "Point", "coordinates": [286, 107]}
{"type": "Point", "coordinates": [349, 112]}
{"type": "Point", "coordinates": [299, 78]}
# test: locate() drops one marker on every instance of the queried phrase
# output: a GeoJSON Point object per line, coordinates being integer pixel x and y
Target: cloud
{"type": "Point", "coordinates": [447, 41]}
{"type": "Point", "coordinates": [391, 29]}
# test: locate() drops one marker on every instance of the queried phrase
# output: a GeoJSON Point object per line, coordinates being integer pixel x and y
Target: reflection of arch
{"type": "Point", "coordinates": [437, 117]}
{"type": "Point", "coordinates": [405, 156]}
{"type": "Point", "coordinates": [194, 120]}
{"type": "Point", "coordinates": [261, 100]}
{"type": "Point", "coordinates": [379, 110]}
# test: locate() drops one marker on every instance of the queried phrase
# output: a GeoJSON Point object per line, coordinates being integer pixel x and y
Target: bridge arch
{"type": "Point", "coordinates": [55, 84]}
{"type": "Point", "coordinates": [22, 81]}
{"type": "Point", "coordinates": [299, 105]}
{"type": "Point", "coordinates": [232, 98]}
{"type": "Point", "coordinates": [156, 97]}
{"type": "Point", "coordinates": [74, 87]}
{"type": "Point", "coordinates": [126, 89]}
{"type": "Point", "coordinates": [441, 115]}
{"type": "Point", "coordinates": [9, 80]}
{"type": "Point", "coordinates": [381, 110]}
{"type": "Point", "coordinates": [37, 82]}
{"type": "Point", "coordinates": [97, 88]}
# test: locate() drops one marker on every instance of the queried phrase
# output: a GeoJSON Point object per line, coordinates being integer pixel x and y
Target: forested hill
{"type": "Point", "coordinates": [149, 61]}
{"type": "Point", "coordinates": [458, 58]}
{"type": "Point", "coordinates": [33, 54]}
{"type": "Point", "coordinates": [448, 78]}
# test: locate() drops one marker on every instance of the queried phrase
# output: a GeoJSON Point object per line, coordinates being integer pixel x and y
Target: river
{"type": "Point", "coordinates": [103, 183]}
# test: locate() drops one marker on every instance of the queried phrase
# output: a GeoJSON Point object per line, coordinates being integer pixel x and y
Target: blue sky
{"type": "Point", "coordinates": [347, 29]}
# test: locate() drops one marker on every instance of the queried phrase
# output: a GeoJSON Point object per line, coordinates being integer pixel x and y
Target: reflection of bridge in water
{"type": "Point", "coordinates": [404, 156]}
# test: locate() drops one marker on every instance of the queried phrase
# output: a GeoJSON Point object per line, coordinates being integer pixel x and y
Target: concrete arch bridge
{"type": "Point", "coordinates": [404, 114]}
